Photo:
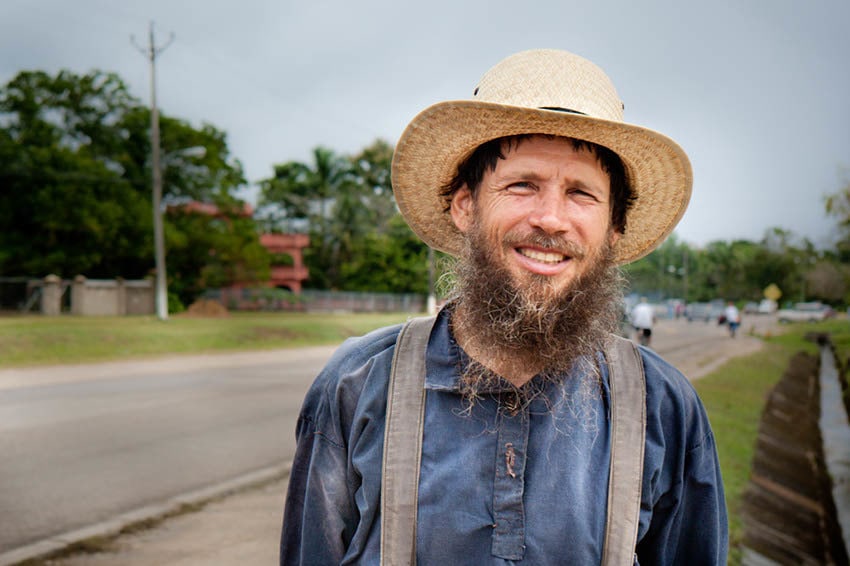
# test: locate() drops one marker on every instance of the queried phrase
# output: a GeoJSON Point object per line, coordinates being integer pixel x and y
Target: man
{"type": "Point", "coordinates": [643, 318]}
{"type": "Point", "coordinates": [733, 317]}
{"type": "Point", "coordinates": [540, 191]}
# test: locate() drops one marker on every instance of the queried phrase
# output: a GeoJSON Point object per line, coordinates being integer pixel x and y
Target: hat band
{"type": "Point", "coordinates": [559, 109]}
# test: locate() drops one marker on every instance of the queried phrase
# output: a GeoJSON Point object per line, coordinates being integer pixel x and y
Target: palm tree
{"type": "Point", "coordinates": [325, 196]}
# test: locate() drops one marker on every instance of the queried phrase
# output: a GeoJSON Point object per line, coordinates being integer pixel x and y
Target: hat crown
{"type": "Point", "coordinates": [550, 78]}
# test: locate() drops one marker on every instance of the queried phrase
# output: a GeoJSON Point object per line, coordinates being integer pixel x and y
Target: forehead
{"type": "Point", "coordinates": [550, 151]}
{"type": "Point", "coordinates": [532, 143]}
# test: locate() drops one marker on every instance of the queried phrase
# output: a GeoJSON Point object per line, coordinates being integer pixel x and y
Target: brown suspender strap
{"type": "Point", "coordinates": [403, 444]}
{"type": "Point", "coordinates": [403, 447]}
{"type": "Point", "coordinates": [627, 382]}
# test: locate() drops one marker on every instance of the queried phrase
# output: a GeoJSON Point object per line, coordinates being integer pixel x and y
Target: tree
{"type": "Point", "coordinates": [662, 272]}
{"type": "Point", "coordinates": [75, 180]}
{"type": "Point", "coordinates": [392, 261]}
{"type": "Point", "coordinates": [65, 210]}
{"type": "Point", "coordinates": [837, 206]}
{"type": "Point", "coordinates": [347, 205]}
{"type": "Point", "coordinates": [213, 250]}
{"type": "Point", "coordinates": [317, 195]}
{"type": "Point", "coordinates": [371, 168]}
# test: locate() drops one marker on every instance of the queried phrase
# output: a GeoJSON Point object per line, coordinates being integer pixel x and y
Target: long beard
{"type": "Point", "coordinates": [533, 324]}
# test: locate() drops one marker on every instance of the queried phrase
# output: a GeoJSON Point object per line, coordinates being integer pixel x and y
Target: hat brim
{"type": "Point", "coordinates": [443, 135]}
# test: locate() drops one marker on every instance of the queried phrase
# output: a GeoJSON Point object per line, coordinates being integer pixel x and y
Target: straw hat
{"type": "Point", "coordinates": [543, 91]}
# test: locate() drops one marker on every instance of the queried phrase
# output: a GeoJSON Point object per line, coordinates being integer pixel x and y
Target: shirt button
{"type": "Point", "coordinates": [512, 403]}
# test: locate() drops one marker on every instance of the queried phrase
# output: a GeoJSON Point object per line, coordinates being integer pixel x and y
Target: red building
{"type": "Point", "coordinates": [289, 272]}
{"type": "Point", "coordinates": [287, 276]}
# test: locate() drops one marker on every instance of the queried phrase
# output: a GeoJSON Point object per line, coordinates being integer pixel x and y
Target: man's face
{"type": "Point", "coordinates": [544, 213]}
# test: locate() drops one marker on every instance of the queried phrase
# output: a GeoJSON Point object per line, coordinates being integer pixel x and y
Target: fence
{"type": "Point", "coordinates": [119, 297]}
{"type": "Point", "coordinates": [269, 299]}
{"type": "Point", "coordinates": [17, 294]}
{"type": "Point", "coordinates": [343, 301]}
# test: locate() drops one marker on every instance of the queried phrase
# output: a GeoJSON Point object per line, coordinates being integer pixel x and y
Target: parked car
{"type": "Point", "coordinates": [805, 312]}
{"type": "Point", "coordinates": [767, 306]}
{"type": "Point", "coordinates": [697, 311]}
{"type": "Point", "coordinates": [705, 312]}
{"type": "Point", "coordinates": [751, 308]}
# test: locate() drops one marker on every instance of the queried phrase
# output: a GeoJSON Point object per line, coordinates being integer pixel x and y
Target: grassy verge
{"type": "Point", "coordinates": [734, 397]}
{"type": "Point", "coordinates": [26, 341]}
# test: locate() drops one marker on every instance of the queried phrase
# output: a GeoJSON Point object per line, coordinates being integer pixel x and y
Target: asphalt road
{"type": "Point", "coordinates": [82, 444]}
{"type": "Point", "coordinates": [85, 443]}
{"type": "Point", "coordinates": [697, 348]}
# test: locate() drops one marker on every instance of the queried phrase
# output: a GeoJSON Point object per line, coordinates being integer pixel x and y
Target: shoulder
{"type": "Point", "coordinates": [357, 352]}
{"type": "Point", "coordinates": [359, 368]}
{"type": "Point", "coordinates": [674, 408]}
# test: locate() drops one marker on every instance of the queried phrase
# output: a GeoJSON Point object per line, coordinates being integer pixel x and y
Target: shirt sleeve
{"type": "Point", "coordinates": [689, 524]}
{"type": "Point", "coordinates": [322, 516]}
{"type": "Point", "coordinates": [318, 515]}
{"type": "Point", "coordinates": [683, 498]}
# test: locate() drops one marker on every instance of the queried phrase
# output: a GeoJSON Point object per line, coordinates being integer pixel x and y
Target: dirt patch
{"type": "Point", "coordinates": [206, 308]}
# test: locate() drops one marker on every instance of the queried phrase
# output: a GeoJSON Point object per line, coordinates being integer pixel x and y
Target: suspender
{"type": "Point", "coordinates": [627, 382]}
{"type": "Point", "coordinates": [403, 447]}
{"type": "Point", "coordinates": [403, 444]}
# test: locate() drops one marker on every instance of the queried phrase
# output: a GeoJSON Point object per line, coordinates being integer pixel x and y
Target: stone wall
{"type": "Point", "coordinates": [99, 297]}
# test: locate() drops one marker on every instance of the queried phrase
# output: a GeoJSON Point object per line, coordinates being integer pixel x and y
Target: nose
{"type": "Point", "coordinates": [549, 212]}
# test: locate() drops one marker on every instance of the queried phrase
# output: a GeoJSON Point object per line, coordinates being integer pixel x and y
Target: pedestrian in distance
{"type": "Point", "coordinates": [643, 319]}
{"type": "Point", "coordinates": [733, 318]}
{"type": "Point", "coordinates": [514, 427]}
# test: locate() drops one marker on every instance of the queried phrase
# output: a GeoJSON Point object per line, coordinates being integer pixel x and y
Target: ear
{"type": "Point", "coordinates": [614, 236]}
{"type": "Point", "coordinates": [462, 207]}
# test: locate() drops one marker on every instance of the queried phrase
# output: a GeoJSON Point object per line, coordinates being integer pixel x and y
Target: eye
{"type": "Point", "coordinates": [583, 194]}
{"type": "Point", "coordinates": [520, 187]}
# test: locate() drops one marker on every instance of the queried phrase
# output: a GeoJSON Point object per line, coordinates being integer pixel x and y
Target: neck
{"type": "Point", "coordinates": [511, 368]}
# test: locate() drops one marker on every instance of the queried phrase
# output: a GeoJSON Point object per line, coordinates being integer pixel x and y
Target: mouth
{"type": "Point", "coordinates": [547, 257]}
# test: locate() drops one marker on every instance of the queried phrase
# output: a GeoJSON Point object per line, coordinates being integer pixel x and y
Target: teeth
{"type": "Point", "coordinates": [545, 257]}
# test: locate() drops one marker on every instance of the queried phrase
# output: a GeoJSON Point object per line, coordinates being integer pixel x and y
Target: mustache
{"type": "Point", "coordinates": [539, 238]}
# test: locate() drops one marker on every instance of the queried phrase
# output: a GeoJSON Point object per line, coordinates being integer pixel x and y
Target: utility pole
{"type": "Point", "coordinates": [151, 51]}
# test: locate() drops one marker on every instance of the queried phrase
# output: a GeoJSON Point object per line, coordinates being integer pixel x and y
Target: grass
{"type": "Point", "coordinates": [734, 397]}
{"type": "Point", "coordinates": [27, 341]}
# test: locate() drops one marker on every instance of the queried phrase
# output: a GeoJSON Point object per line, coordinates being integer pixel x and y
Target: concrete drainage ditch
{"type": "Point", "coordinates": [796, 508]}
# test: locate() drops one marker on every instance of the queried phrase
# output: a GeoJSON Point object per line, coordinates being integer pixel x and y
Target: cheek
{"type": "Point", "coordinates": [595, 225]}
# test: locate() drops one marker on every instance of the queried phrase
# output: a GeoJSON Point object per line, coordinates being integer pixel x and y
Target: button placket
{"type": "Point", "coordinates": [508, 540]}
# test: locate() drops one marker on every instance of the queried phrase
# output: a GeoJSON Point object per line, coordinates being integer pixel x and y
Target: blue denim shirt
{"type": "Point", "coordinates": [502, 482]}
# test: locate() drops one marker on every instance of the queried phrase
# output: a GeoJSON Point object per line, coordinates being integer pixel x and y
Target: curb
{"type": "Point", "coordinates": [113, 527]}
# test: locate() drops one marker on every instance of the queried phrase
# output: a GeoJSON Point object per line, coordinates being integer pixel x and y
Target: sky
{"type": "Point", "coordinates": [757, 92]}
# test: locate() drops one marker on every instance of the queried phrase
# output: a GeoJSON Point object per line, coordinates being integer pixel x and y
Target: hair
{"type": "Point", "coordinates": [471, 171]}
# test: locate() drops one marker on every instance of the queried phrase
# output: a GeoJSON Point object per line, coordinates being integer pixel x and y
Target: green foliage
{"type": "Point", "coordinates": [64, 209]}
{"type": "Point", "coordinates": [740, 270]}
{"type": "Point", "coordinates": [661, 272]}
{"type": "Point", "coordinates": [389, 261]}
{"type": "Point", "coordinates": [208, 252]}
{"type": "Point", "coordinates": [77, 186]}
{"type": "Point", "coordinates": [358, 241]}
{"type": "Point", "coordinates": [175, 305]}
{"type": "Point", "coordinates": [837, 206]}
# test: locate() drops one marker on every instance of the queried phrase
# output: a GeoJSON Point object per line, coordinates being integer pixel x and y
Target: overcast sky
{"type": "Point", "coordinates": [757, 92]}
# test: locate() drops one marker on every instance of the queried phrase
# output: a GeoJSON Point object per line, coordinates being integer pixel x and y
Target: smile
{"type": "Point", "coordinates": [544, 257]}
